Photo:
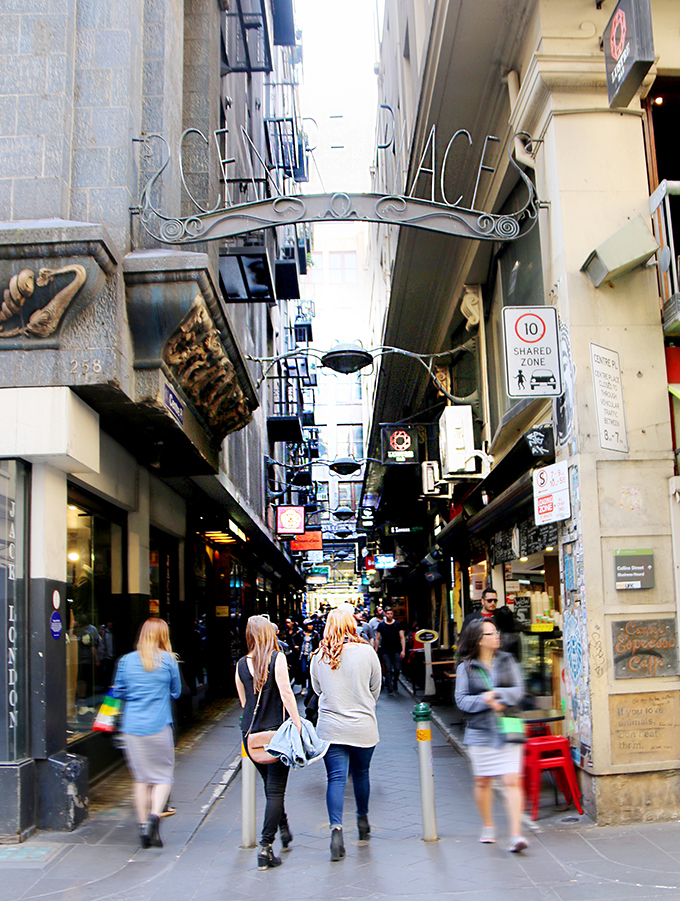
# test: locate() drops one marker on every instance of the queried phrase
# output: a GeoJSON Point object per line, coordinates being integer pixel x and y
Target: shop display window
{"type": "Point", "coordinates": [95, 586]}
{"type": "Point", "coordinates": [13, 619]}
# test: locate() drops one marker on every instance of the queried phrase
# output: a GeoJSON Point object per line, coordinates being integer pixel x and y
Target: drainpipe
{"type": "Point", "coordinates": [521, 155]}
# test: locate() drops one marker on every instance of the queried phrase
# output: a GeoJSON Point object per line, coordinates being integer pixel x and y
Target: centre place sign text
{"type": "Point", "coordinates": [227, 221]}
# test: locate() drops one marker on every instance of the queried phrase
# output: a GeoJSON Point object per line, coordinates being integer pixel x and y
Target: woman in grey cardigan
{"type": "Point", "coordinates": [345, 673]}
{"type": "Point", "coordinates": [488, 683]}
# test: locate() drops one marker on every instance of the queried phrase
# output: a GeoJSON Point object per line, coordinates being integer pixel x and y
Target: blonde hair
{"type": "Point", "coordinates": [154, 637]}
{"type": "Point", "coordinates": [341, 627]}
{"type": "Point", "coordinates": [261, 641]}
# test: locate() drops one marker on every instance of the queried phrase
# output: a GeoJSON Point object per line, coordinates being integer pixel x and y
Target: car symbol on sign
{"type": "Point", "coordinates": [542, 377]}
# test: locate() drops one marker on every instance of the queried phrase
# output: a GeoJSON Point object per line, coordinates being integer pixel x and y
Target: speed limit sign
{"type": "Point", "coordinates": [532, 353]}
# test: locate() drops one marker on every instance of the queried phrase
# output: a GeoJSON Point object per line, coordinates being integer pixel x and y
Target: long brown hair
{"type": "Point", "coordinates": [341, 627]}
{"type": "Point", "coordinates": [154, 637]}
{"type": "Point", "coordinates": [262, 642]}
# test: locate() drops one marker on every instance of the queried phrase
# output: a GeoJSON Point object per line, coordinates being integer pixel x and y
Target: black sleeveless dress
{"type": "Point", "coordinates": [270, 713]}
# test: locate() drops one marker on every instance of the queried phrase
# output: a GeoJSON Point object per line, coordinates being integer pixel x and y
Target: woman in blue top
{"type": "Point", "coordinates": [146, 679]}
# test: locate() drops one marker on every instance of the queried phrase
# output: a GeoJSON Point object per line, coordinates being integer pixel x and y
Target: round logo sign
{"type": "Point", "coordinates": [291, 519]}
{"type": "Point", "coordinates": [617, 36]}
{"type": "Point", "coordinates": [56, 599]}
{"type": "Point", "coordinates": [426, 635]}
{"type": "Point", "coordinates": [56, 626]}
{"type": "Point", "coordinates": [400, 441]}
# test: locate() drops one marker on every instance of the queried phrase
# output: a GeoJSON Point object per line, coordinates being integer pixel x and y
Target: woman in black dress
{"type": "Point", "coordinates": [263, 687]}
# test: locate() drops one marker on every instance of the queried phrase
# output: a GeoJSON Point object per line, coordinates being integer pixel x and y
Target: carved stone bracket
{"type": "Point", "coordinates": [49, 270]}
{"type": "Point", "coordinates": [180, 327]}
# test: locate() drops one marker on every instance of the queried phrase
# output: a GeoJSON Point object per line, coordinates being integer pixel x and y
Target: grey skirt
{"type": "Point", "coordinates": [151, 758]}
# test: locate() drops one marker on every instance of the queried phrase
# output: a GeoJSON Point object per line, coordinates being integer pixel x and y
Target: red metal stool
{"type": "Point", "coordinates": [550, 752]}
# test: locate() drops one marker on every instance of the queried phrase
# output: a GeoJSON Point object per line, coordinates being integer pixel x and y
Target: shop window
{"type": "Point", "coordinates": [97, 628]}
{"type": "Point", "coordinates": [315, 269]}
{"type": "Point", "coordinates": [13, 613]}
{"type": "Point", "coordinates": [518, 282]}
{"type": "Point", "coordinates": [349, 494]}
{"type": "Point", "coordinates": [350, 441]}
{"type": "Point", "coordinates": [342, 268]}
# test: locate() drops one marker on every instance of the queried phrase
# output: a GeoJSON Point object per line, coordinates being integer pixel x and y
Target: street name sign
{"type": "Point", "coordinates": [532, 357]}
{"type": "Point", "coordinates": [611, 414]}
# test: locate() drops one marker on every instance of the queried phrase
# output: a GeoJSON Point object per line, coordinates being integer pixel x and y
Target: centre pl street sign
{"type": "Point", "coordinates": [532, 357]}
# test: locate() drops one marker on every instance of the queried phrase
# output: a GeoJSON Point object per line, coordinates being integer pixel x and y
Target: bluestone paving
{"type": "Point", "coordinates": [569, 858]}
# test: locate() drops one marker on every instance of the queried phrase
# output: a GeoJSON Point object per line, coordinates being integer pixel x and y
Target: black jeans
{"type": "Point", "coordinates": [392, 668]}
{"type": "Point", "coordinates": [275, 777]}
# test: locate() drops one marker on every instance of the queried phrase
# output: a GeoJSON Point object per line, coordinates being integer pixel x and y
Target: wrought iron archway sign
{"type": "Point", "coordinates": [290, 209]}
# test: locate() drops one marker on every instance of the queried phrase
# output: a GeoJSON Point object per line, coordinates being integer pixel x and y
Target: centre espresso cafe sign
{"type": "Point", "coordinates": [628, 43]}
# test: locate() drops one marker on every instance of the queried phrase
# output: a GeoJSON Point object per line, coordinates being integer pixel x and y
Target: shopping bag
{"type": "Point", "coordinates": [108, 716]}
{"type": "Point", "coordinates": [512, 729]}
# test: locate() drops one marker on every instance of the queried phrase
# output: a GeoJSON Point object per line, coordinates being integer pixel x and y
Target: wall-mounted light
{"type": "Point", "coordinates": [73, 557]}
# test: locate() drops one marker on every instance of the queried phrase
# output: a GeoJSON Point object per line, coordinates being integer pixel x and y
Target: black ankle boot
{"type": "Point", "coordinates": [143, 836]}
{"type": "Point", "coordinates": [337, 844]}
{"type": "Point", "coordinates": [266, 858]}
{"type": "Point", "coordinates": [152, 831]}
{"type": "Point", "coordinates": [364, 829]}
{"type": "Point", "coordinates": [286, 835]}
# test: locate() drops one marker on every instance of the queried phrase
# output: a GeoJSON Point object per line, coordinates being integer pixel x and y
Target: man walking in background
{"type": "Point", "coordinates": [392, 643]}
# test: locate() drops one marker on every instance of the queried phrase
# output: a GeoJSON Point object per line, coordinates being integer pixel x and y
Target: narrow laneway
{"type": "Point", "coordinates": [568, 858]}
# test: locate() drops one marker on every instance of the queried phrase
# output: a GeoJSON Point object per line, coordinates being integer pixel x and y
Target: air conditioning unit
{"type": "Point", "coordinates": [457, 441]}
{"type": "Point", "coordinates": [430, 476]}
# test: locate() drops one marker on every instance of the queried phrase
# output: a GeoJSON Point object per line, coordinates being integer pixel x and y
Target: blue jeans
{"type": "Point", "coordinates": [340, 760]}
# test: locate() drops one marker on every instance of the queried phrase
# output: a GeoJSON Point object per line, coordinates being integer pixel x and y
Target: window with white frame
{"type": "Point", "coordinates": [342, 267]}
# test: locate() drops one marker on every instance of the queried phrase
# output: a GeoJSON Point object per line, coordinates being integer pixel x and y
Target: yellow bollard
{"type": "Point", "coordinates": [422, 716]}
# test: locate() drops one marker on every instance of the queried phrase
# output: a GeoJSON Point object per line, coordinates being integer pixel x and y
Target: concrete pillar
{"type": "Point", "coordinates": [592, 170]}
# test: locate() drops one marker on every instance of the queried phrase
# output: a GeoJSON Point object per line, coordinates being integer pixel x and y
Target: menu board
{"type": "Point", "coordinates": [501, 547]}
{"type": "Point", "coordinates": [535, 539]}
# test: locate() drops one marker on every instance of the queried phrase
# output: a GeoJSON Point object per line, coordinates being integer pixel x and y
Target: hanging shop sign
{"type": "Point", "coordinates": [385, 561]}
{"type": "Point", "coordinates": [628, 42]}
{"type": "Point", "coordinates": [318, 575]}
{"type": "Point", "coordinates": [633, 568]}
{"type": "Point", "coordinates": [308, 541]}
{"type": "Point", "coordinates": [532, 358]}
{"type": "Point", "coordinates": [551, 493]}
{"type": "Point", "coordinates": [290, 520]}
{"type": "Point", "coordinates": [644, 649]}
{"type": "Point", "coordinates": [611, 413]}
{"type": "Point", "coordinates": [400, 444]}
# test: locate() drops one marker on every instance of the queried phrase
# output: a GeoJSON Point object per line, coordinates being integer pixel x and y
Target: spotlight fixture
{"type": "Point", "coordinates": [344, 466]}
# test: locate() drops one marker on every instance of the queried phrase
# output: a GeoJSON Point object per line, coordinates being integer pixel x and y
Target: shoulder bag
{"type": "Point", "coordinates": [255, 741]}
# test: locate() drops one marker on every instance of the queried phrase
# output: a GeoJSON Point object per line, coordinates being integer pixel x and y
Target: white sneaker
{"type": "Point", "coordinates": [488, 836]}
{"type": "Point", "coordinates": [517, 843]}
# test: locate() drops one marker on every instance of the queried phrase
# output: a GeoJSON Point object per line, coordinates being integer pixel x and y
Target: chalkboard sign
{"type": "Point", "coordinates": [535, 539]}
{"type": "Point", "coordinates": [523, 610]}
{"type": "Point", "coordinates": [501, 547]}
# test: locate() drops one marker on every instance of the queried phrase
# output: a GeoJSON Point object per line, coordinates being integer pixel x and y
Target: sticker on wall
{"type": "Point", "coordinates": [573, 649]}
{"type": "Point", "coordinates": [631, 499]}
{"type": "Point", "coordinates": [56, 626]}
{"type": "Point", "coordinates": [56, 599]}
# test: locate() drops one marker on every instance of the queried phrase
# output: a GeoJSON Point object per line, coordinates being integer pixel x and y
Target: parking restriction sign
{"type": "Point", "coordinates": [532, 354]}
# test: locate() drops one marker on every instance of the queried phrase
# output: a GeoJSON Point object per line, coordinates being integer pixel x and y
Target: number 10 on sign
{"type": "Point", "coordinates": [532, 353]}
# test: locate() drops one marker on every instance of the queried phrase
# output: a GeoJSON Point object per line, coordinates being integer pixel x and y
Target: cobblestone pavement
{"type": "Point", "coordinates": [569, 859]}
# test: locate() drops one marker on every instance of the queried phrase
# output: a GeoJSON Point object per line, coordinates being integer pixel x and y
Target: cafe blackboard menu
{"type": "Point", "coordinates": [501, 547]}
{"type": "Point", "coordinates": [535, 539]}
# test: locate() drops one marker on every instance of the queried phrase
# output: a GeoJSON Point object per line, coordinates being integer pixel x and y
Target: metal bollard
{"type": "Point", "coordinates": [422, 718]}
{"type": "Point", "coordinates": [248, 810]}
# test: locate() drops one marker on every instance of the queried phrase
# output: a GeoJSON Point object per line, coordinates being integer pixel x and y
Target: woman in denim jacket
{"type": "Point", "coordinates": [488, 682]}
